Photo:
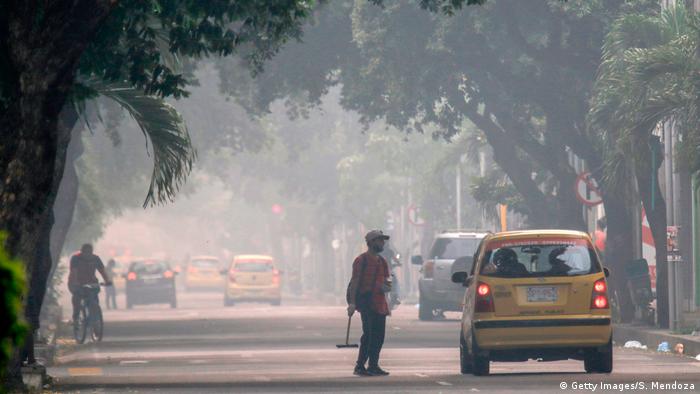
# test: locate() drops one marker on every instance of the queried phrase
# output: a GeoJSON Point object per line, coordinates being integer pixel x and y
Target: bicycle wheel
{"type": "Point", "coordinates": [80, 326]}
{"type": "Point", "coordinates": [97, 324]}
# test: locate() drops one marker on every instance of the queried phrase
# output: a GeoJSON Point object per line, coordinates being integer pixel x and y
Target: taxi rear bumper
{"type": "Point", "coordinates": [271, 293]}
{"type": "Point", "coordinates": [543, 333]}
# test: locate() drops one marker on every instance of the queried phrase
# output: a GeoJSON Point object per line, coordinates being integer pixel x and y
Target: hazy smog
{"type": "Point", "coordinates": [352, 196]}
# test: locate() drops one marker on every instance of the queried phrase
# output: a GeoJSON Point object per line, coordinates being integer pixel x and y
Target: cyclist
{"type": "Point", "coordinates": [82, 272]}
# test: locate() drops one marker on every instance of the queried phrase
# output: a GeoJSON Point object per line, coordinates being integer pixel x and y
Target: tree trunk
{"type": "Point", "coordinates": [648, 184]}
{"type": "Point", "coordinates": [42, 60]}
{"type": "Point", "coordinates": [67, 195]}
{"type": "Point", "coordinates": [619, 249]}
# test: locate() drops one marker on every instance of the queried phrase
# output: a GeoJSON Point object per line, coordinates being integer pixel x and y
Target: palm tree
{"type": "Point", "coordinates": [649, 74]}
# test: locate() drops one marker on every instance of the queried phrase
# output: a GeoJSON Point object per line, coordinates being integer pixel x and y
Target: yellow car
{"type": "Point", "coordinates": [535, 295]}
{"type": "Point", "coordinates": [252, 278]}
{"type": "Point", "coordinates": [203, 272]}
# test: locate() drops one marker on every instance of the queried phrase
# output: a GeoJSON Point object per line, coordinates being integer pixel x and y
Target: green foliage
{"type": "Point", "coordinates": [649, 74]}
{"type": "Point", "coordinates": [163, 126]}
{"type": "Point", "coordinates": [12, 283]}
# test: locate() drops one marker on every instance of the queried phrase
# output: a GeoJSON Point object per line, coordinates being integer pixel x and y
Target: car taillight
{"type": "Point", "coordinates": [599, 296]}
{"type": "Point", "coordinates": [429, 269]}
{"type": "Point", "coordinates": [131, 276]}
{"type": "Point", "coordinates": [599, 286]}
{"type": "Point", "coordinates": [484, 299]}
{"type": "Point", "coordinates": [275, 277]}
{"type": "Point", "coordinates": [168, 274]}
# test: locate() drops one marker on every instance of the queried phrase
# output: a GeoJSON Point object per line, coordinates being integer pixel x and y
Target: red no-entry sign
{"type": "Point", "coordinates": [587, 191]}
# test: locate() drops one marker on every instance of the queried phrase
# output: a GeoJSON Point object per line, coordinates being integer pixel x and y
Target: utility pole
{"type": "Point", "coordinates": [458, 187]}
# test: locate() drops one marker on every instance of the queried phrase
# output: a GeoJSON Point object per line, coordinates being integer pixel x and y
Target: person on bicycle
{"type": "Point", "coordinates": [82, 272]}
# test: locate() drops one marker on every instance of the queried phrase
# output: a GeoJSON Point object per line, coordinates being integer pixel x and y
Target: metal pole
{"type": "Point", "coordinates": [458, 185]}
{"type": "Point", "coordinates": [670, 218]}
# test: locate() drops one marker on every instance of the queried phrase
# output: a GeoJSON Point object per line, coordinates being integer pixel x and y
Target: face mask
{"type": "Point", "coordinates": [377, 248]}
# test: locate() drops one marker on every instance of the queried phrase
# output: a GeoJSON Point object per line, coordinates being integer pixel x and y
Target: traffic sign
{"type": "Point", "coordinates": [414, 216]}
{"type": "Point", "coordinates": [587, 191]}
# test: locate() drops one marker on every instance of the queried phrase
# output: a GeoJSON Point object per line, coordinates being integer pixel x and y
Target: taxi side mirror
{"type": "Point", "coordinates": [459, 277]}
{"type": "Point", "coordinates": [417, 260]}
{"type": "Point", "coordinates": [606, 271]}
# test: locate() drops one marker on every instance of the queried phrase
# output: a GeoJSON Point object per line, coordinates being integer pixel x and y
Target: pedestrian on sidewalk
{"type": "Point", "coordinates": [371, 280]}
{"type": "Point", "coordinates": [111, 291]}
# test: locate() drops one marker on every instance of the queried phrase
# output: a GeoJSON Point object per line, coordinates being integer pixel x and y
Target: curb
{"type": "Point", "coordinates": [652, 338]}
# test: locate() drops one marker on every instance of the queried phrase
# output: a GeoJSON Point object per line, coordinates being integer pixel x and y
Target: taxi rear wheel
{"type": "Point", "coordinates": [599, 361]}
{"type": "Point", "coordinates": [480, 364]}
{"type": "Point", "coordinates": [465, 365]}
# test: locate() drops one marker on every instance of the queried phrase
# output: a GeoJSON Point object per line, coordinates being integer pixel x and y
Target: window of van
{"type": "Point", "coordinates": [453, 248]}
{"type": "Point", "coordinates": [532, 260]}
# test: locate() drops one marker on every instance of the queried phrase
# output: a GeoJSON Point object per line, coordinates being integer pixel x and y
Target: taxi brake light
{"type": "Point", "coordinates": [131, 276]}
{"type": "Point", "coordinates": [191, 269]}
{"type": "Point", "coordinates": [484, 299]}
{"type": "Point", "coordinates": [168, 274]}
{"type": "Point", "coordinates": [599, 295]}
{"type": "Point", "coordinates": [600, 302]}
{"type": "Point", "coordinates": [232, 275]}
{"type": "Point", "coordinates": [483, 289]}
{"type": "Point", "coordinates": [599, 286]}
{"type": "Point", "coordinates": [275, 277]}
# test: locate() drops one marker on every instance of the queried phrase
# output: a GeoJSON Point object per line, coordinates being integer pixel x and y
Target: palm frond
{"type": "Point", "coordinates": [161, 124]}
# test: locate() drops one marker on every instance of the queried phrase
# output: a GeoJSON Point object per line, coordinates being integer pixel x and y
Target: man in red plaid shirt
{"type": "Point", "coordinates": [371, 279]}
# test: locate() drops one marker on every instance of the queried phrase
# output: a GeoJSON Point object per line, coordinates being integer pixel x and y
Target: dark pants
{"type": "Point", "coordinates": [373, 327]}
{"type": "Point", "coordinates": [111, 297]}
{"type": "Point", "coordinates": [77, 294]}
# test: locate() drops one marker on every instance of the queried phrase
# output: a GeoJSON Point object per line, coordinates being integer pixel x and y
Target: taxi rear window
{"type": "Point", "coordinates": [206, 263]}
{"type": "Point", "coordinates": [253, 266]}
{"type": "Point", "coordinates": [540, 258]}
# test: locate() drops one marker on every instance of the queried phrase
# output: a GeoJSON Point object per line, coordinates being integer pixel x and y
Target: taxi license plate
{"type": "Point", "coordinates": [150, 280]}
{"type": "Point", "coordinates": [541, 294]}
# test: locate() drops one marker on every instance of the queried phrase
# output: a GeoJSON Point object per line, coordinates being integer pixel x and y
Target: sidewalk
{"type": "Point", "coordinates": [652, 337]}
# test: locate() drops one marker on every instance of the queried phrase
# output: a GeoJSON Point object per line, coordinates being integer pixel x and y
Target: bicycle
{"type": "Point", "coordinates": [90, 316]}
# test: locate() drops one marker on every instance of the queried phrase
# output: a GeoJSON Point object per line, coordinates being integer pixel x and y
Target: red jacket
{"type": "Point", "coordinates": [376, 268]}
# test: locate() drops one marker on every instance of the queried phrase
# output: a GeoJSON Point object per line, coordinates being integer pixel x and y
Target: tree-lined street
{"type": "Point", "coordinates": [205, 348]}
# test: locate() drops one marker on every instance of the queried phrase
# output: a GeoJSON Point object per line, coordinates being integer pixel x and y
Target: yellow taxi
{"type": "Point", "coordinates": [252, 278]}
{"type": "Point", "coordinates": [203, 272]}
{"type": "Point", "coordinates": [538, 294]}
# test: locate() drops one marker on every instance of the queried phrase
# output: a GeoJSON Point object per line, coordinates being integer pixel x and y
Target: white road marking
{"type": "Point", "coordinates": [421, 375]}
{"type": "Point", "coordinates": [474, 389]}
{"type": "Point", "coordinates": [198, 361]}
{"type": "Point", "coordinates": [262, 379]}
{"type": "Point", "coordinates": [441, 383]}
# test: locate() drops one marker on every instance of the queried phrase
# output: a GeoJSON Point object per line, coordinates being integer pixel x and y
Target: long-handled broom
{"type": "Point", "coordinates": [347, 337]}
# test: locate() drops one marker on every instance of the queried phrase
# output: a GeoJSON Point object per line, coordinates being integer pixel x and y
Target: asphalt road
{"type": "Point", "coordinates": [202, 347]}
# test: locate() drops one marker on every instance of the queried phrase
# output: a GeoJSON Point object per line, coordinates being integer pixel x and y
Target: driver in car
{"type": "Point", "coordinates": [506, 261]}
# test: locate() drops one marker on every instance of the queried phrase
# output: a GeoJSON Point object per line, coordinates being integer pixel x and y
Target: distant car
{"type": "Point", "coordinates": [150, 282]}
{"type": "Point", "coordinates": [203, 272]}
{"type": "Point", "coordinates": [539, 294]}
{"type": "Point", "coordinates": [437, 293]}
{"type": "Point", "coordinates": [120, 268]}
{"type": "Point", "coordinates": [252, 278]}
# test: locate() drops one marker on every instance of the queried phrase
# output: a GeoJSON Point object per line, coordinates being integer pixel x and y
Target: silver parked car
{"type": "Point", "coordinates": [437, 292]}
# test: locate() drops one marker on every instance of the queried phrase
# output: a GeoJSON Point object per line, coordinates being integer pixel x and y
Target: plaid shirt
{"type": "Point", "coordinates": [375, 264]}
